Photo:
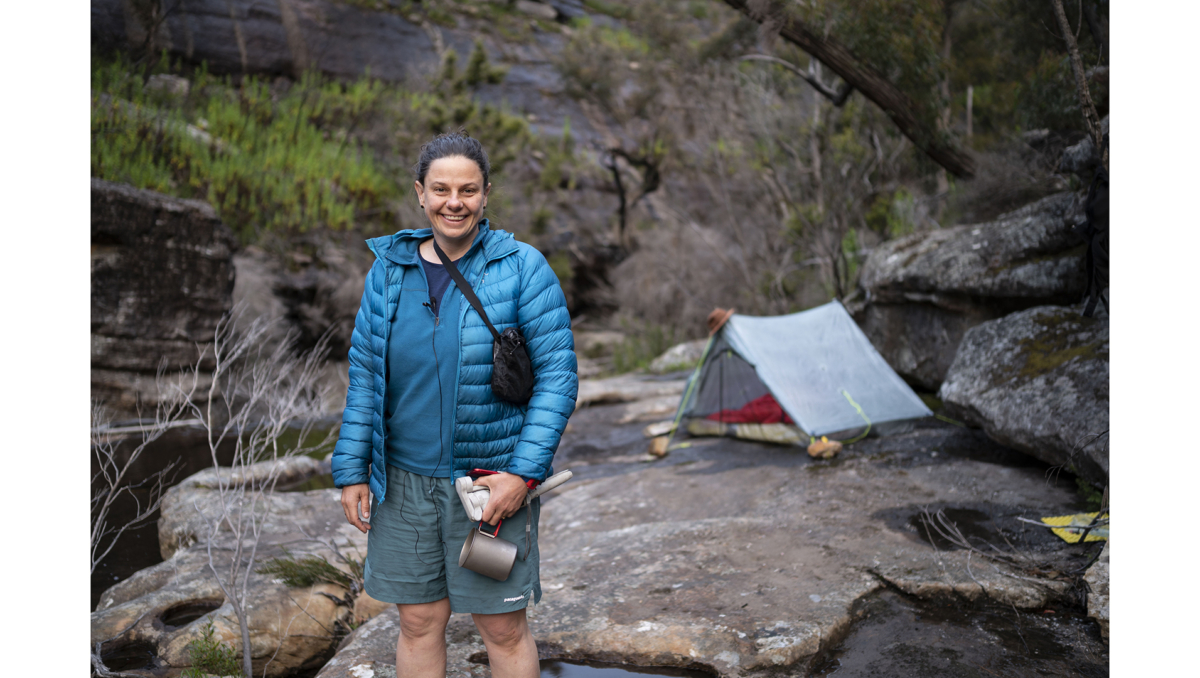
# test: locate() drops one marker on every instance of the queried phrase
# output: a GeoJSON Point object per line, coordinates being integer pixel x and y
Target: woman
{"type": "Point", "coordinates": [420, 413]}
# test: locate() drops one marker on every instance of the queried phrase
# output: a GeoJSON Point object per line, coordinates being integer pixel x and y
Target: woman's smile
{"type": "Point", "coordinates": [453, 197]}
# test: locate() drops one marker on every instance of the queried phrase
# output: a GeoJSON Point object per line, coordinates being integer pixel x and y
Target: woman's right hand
{"type": "Point", "coordinates": [354, 496]}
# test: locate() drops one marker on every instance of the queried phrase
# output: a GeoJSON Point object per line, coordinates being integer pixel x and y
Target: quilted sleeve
{"type": "Point", "coordinates": [352, 454]}
{"type": "Point", "coordinates": [544, 320]}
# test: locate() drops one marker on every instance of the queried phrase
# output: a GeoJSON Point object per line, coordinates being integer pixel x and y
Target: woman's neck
{"type": "Point", "coordinates": [454, 251]}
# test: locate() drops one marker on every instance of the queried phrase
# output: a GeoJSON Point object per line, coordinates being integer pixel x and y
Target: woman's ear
{"type": "Point", "coordinates": [487, 190]}
{"type": "Point", "coordinates": [420, 190]}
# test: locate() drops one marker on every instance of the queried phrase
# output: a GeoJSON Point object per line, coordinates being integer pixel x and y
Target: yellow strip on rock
{"type": "Point", "coordinates": [1072, 526]}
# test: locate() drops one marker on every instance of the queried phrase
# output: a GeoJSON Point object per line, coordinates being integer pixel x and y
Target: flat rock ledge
{"type": "Point", "coordinates": [739, 565]}
{"type": "Point", "coordinates": [1037, 381]}
{"type": "Point", "coordinates": [163, 608]}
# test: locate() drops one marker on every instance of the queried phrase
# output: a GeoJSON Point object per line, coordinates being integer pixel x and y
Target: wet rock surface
{"type": "Point", "coordinates": [1037, 381]}
{"type": "Point", "coordinates": [925, 290]}
{"type": "Point", "coordinates": [740, 558]}
{"type": "Point", "coordinates": [162, 277]}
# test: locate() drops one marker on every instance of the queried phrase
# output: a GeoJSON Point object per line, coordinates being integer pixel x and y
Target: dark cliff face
{"type": "Point", "coordinates": [162, 278]}
{"type": "Point", "coordinates": [349, 39]}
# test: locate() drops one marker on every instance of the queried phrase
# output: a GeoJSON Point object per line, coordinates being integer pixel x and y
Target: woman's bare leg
{"type": "Point", "coordinates": [510, 647]}
{"type": "Point", "coordinates": [421, 648]}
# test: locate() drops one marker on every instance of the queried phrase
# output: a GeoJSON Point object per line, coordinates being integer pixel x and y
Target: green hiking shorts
{"type": "Point", "coordinates": [415, 539]}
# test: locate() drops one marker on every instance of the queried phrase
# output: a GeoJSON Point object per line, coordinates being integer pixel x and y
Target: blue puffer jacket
{"type": "Point", "coordinates": [516, 287]}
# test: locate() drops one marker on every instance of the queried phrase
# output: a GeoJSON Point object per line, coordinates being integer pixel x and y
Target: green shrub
{"type": "Point", "coordinates": [210, 656]}
{"type": "Point", "coordinates": [641, 346]}
{"type": "Point", "coordinates": [279, 157]}
{"type": "Point", "coordinates": [310, 570]}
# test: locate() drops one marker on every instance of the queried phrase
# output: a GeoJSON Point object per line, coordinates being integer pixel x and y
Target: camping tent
{"type": "Point", "coordinates": [817, 364]}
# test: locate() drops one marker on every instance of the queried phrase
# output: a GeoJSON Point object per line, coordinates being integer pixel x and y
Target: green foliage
{"type": "Point", "coordinates": [560, 263]}
{"type": "Point", "coordinates": [310, 570]}
{"type": "Point", "coordinates": [450, 106]}
{"type": "Point", "coordinates": [210, 656]}
{"type": "Point", "coordinates": [267, 161]}
{"type": "Point", "coordinates": [610, 8]}
{"type": "Point", "coordinates": [1089, 495]}
{"type": "Point", "coordinates": [642, 345]}
{"type": "Point", "coordinates": [889, 213]}
{"type": "Point", "coordinates": [283, 158]}
{"type": "Point", "coordinates": [1049, 97]}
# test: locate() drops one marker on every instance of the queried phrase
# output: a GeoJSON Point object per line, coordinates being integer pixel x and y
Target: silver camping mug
{"type": "Point", "coordinates": [488, 554]}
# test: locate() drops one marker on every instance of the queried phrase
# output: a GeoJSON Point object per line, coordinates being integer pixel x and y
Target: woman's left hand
{"type": "Point", "coordinates": [508, 494]}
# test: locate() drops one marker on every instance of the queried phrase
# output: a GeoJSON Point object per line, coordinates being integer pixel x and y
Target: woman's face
{"type": "Point", "coordinates": [454, 197]}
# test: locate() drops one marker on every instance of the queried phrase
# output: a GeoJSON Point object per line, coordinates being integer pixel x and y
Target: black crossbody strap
{"type": "Point", "coordinates": [465, 287]}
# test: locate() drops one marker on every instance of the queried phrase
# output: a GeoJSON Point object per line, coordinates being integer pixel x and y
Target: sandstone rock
{"type": "Point", "coordinates": [1097, 600]}
{"type": "Point", "coordinates": [679, 357]}
{"type": "Point", "coordinates": [166, 606]}
{"type": "Point", "coordinates": [1037, 381]}
{"type": "Point", "coordinates": [537, 9]}
{"type": "Point", "coordinates": [1083, 156]}
{"type": "Point", "coordinates": [345, 40]}
{"type": "Point", "coordinates": [162, 278]}
{"type": "Point", "coordinates": [742, 559]}
{"type": "Point", "coordinates": [290, 629]}
{"type": "Point", "coordinates": [925, 290]}
{"type": "Point", "coordinates": [188, 506]}
{"type": "Point", "coordinates": [370, 652]}
{"type": "Point", "coordinates": [626, 388]}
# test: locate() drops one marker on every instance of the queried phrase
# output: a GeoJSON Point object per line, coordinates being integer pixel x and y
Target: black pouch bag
{"type": "Point", "coordinates": [512, 373]}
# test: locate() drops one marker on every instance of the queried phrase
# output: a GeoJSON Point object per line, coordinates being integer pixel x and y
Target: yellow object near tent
{"type": "Point", "coordinates": [1068, 528]}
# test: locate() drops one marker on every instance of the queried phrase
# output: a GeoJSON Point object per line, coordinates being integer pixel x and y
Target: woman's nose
{"type": "Point", "coordinates": [454, 202]}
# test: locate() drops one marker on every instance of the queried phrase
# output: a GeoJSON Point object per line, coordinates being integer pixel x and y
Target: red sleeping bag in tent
{"type": "Point", "coordinates": [764, 410]}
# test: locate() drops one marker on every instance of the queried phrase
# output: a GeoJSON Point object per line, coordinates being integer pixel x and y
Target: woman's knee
{"type": "Point", "coordinates": [503, 630]}
{"type": "Point", "coordinates": [425, 619]}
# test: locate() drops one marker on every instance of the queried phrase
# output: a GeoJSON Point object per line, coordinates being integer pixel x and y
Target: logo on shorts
{"type": "Point", "coordinates": [513, 600]}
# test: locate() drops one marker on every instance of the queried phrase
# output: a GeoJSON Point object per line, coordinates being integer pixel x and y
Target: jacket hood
{"type": "Point", "coordinates": [401, 247]}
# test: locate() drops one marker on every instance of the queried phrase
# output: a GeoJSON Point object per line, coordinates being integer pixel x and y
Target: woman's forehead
{"type": "Point", "coordinates": [456, 169]}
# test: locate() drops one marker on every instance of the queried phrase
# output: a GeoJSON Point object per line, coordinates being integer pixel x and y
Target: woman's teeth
{"type": "Point", "coordinates": [455, 219]}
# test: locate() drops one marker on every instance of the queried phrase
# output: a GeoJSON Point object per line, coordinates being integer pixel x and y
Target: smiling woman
{"type": "Point", "coordinates": [454, 203]}
{"type": "Point", "coordinates": [421, 413]}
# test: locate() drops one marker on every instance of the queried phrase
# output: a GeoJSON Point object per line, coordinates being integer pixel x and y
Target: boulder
{"type": "Point", "coordinates": [162, 278]}
{"type": "Point", "coordinates": [1083, 156]}
{"type": "Point", "coordinates": [314, 288]}
{"type": "Point", "coordinates": [163, 608]}
{"type": "Point", "coordinates": [1097, 597]}
{"type": "Point", "coordinates": [923, 291]}
{"type": "Point", "coordinates": [679, 357]}
{"type": "Point", "coordinates": [1037, 381]}
{"type": "Point", "coordinates": [626, 388]}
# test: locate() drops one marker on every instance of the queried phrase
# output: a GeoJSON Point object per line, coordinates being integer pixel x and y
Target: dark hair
{"type": "Point", "coordinates": [450, 144]}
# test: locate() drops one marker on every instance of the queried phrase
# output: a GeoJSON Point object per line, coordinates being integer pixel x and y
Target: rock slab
{"type": "Point", "coordinates": [1097, 601]}
{"type": "Point", "coordinates": [165, 607]}
{"type": "Point", "coordinates": [740, 559]}
{"type": "Point", "coordinates": [162, 277]}
{"type": "Point", "coordinates": [1037, 381]}
{"type": "Point", "coordinates": [925, 290]}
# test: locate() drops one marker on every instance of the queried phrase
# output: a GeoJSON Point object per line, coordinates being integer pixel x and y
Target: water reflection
{"type": "Point", "coordinates": [557, 668]}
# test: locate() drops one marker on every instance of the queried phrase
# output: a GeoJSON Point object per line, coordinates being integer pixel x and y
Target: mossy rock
{"type": "Point", "coordinates": [1037, 381]}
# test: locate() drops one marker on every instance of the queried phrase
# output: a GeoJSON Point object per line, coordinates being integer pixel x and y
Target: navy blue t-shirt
{"type": "Point", "coordinates": [439, 279]}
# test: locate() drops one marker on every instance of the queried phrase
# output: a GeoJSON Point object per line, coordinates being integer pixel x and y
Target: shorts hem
{"type": "Point", "coordinates": [402, 599]}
